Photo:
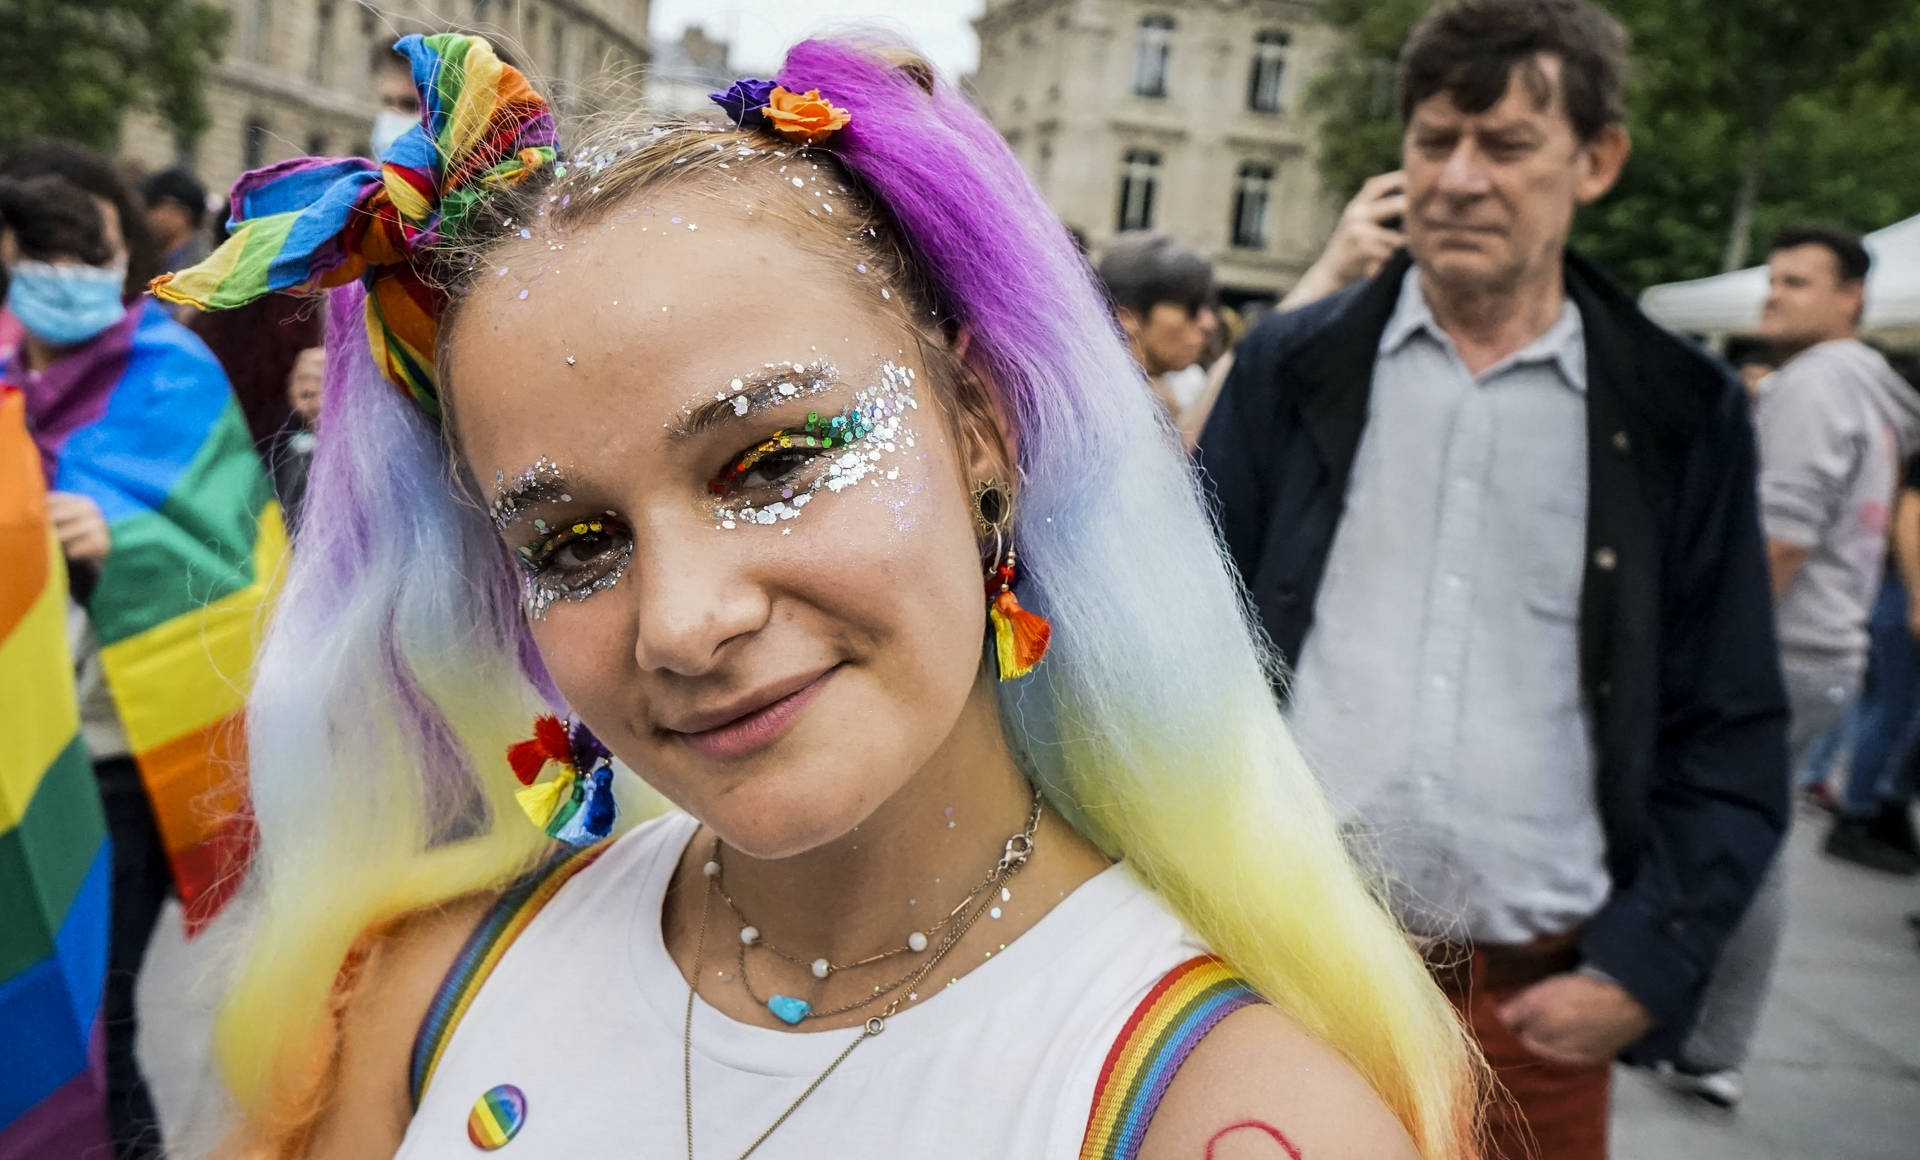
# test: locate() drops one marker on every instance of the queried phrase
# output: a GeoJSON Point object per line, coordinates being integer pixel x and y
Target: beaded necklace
{"type": "Point", "coordinates": [1013, 859]}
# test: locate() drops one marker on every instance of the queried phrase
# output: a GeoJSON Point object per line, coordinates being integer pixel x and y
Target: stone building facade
{"type": "Point", "coordinates": [1188, 118]}
{"type": "Point", "coordinates": [684, 71]}
{"type": "Point", "coordinates": [297, 76]}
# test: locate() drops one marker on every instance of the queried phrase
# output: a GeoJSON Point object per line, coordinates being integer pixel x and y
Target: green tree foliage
{"type": "Point", "coordinates": [72, 68]}
{"type": "Point", "coordinates": [1745, 114]}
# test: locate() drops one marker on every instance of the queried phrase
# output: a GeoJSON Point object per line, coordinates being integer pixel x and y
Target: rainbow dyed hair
{"type": "Point", "coordinates": [388, 689]}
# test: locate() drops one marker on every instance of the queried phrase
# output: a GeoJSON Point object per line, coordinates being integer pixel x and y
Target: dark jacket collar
{"type": "Point", "coordinates": [1334, 366]}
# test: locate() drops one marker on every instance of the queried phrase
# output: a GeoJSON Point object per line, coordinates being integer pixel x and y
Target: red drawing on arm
{"type": "Point", "coordinates": [1272, 1133]}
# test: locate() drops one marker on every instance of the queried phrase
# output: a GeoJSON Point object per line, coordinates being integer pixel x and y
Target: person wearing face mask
{"type": "Point", "coordinates": [399, 103]}
{"type": "Point", "coordinates": [160, 507]}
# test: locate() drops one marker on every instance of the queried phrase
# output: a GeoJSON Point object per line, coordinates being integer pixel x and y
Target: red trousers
{"type": "Point", "coordinates": [1540, 1110]}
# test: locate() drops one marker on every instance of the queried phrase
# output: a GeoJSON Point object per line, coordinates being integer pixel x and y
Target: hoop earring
{"type": "Point", "coordinates": [1020, 637]}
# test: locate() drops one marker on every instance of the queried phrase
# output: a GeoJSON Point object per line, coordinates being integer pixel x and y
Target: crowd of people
{"type": "Point", "coordinates": [1385, 712]}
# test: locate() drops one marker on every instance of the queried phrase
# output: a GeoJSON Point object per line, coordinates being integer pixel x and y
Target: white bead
{"type": "Point", "coordinates": [749, 935]}
{"type": "Point", "coordinates": [820, 968]}
{"type": "Point", "coordinates": [712, 869]}
{"type": "Point", "coordinates": [916, 942]}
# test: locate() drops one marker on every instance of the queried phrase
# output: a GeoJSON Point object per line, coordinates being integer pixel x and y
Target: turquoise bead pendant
{"type": "Point", "coordinates": [788, 1009]}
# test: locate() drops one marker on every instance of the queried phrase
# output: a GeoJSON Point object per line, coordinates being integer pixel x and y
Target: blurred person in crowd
{"type": "Point", "coordinates": [1874, 826]}
{"type": "Point", "coordinates": [1503, 528]}
{"type": "Point", "coordinates": [1162, 293]}
{"type": "Point", "coordinates": [176, 214]}
{"type": "Point", "coordinates": [399, 101]}
{"type": "Point", "coordinates": [1834, 423]}
{"type": "Point", "coordinates": [1753, 361]}
{"type": "Point", "coordinates": [258, 344]}
{"type": "Point", "coordinates": [292, 452]}
{"type": "Point", "coordinates": [1366, 235]}
{"type": "Point", "coordinates": [154, 493]}
{"type": "Point", "coordinates": [124, 219]}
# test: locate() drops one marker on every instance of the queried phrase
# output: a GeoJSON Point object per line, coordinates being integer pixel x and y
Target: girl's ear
{"type": "Point", "coordinates": [989, 443]}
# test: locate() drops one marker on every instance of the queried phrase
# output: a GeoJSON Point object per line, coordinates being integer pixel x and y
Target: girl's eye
{"type": "Point", "coordinates": [776, 467]}
{"type": "Point", "coordinates": [786, 453]}
{"type": "Point", "coordinates": [577, 553]}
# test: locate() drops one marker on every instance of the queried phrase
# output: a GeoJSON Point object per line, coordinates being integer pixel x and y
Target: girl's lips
{"type": "Point", "coordinates": [756, 730]}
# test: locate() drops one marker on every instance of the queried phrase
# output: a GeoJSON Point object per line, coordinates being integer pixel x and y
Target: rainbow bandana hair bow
{"type": "Point", "coordinates": [307, 225]}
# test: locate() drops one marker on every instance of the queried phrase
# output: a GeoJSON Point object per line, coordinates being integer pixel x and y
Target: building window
{"type": "Point", "coordinates": [253, 144]}
{"type": "Point", "coordinates": [1264, 92]}
{"type": "Point", "coordinates": [1151, 56]}
{"type": "Point", "coordinates": [258, 30]}
{"type": "Point", "coordinates": [1251, 193]}
{"type": "Point", "coordinates": [1139, 181]}
{"type": "Point", "coordinates": [322, 44]}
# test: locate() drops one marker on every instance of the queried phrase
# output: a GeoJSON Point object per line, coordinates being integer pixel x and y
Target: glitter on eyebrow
{"type": "Point", "coordinates": [523, 295]}
{"type": "Point", "coordinates": [773, 384]}
{"type": "Point", "coordinates": [539, 483]}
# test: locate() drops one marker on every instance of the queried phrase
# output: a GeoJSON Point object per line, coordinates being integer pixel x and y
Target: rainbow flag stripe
{"type": "Point", "coordinates": [55, 864]}
{"type": "Point", "coordinates": [142, 422]}
{"type": "Point", "coordinates": [1163, 1030]}
{"type": "Point", "coordinates": [485, 947]}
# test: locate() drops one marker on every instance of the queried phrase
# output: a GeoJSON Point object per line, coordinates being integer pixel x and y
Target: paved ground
{"type": "Point", "coordinates": [1836, 1068]}
{"type": "Point", "coordinates": [1835, 1075]}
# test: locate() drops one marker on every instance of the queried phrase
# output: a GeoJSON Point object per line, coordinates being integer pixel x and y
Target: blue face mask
{"type": "Point", "coordinates": [63, 305]}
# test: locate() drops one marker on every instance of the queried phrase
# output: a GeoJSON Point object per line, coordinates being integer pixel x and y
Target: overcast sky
{"type": "Point", "coordinates": [761, 30]}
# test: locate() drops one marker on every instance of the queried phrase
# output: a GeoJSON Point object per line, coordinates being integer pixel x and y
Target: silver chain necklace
{"type": "Point", "coordinates": [1013, 859]}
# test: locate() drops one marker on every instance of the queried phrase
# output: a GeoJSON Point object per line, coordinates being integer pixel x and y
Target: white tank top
{"type": "Point", "coordinates": [584, 1015]}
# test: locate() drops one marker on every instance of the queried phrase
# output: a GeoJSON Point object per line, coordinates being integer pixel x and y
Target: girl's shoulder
{"type": "Point", "coordinates": [1261, 1085]}
{"type": "Point", "coordinates": [386, 990]}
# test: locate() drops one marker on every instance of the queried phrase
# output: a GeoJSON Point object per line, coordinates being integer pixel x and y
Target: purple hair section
{"type": "Point", "coordinates": [1001, 261]}
{"type": "Point", "coordinates": [373, 432]}
{"type": "Point", "coordinates": [378, 500]}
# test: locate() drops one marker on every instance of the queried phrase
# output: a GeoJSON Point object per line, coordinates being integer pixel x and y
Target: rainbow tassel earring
{"type": "Point", "coordinates": [1020, 637]}
{"type": "Point", "coordinates": [575, 806]}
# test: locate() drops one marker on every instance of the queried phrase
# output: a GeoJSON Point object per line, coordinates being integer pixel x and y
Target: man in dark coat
{"type": "Point", "coordinates": [1502, 528]}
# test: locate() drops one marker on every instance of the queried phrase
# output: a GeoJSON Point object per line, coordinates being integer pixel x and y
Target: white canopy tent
{"type": "Point", "coordinates": [1730, 303]}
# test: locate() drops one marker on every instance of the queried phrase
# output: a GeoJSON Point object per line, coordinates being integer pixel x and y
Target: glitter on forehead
{"type": "Point", "coordinates": [860, 444]}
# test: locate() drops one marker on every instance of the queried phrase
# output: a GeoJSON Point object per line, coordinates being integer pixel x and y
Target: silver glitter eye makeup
{"type": "Point", "coordinates": [828, 452]}
{"type": "Point", "coordinates": [541, 483]}
{"type": "Point", "coordinates": [572, 561]}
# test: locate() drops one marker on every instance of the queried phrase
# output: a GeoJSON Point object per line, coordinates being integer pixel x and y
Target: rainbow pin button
{"type": "Point", "coordinates": [497, 1117]}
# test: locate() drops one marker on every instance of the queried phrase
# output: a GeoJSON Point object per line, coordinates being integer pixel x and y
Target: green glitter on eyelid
{"type": "Point", "coordinates": [814, 432]}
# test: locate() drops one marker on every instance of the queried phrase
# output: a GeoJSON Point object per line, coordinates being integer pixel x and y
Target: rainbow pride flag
{"type": "Point", "coordinates": [142, 422]}
{"type": "Point", "coordinates": [55, 864]}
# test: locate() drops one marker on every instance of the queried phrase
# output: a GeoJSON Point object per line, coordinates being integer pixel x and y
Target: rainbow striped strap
{"type": "Point", "coordinates": [485, 947]}
{"type": "Point", "coordinates": [1187, 1003]}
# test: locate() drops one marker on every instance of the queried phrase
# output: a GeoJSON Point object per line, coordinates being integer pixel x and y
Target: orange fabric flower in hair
{"type": "Point", "coordinates": [805, 117]}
